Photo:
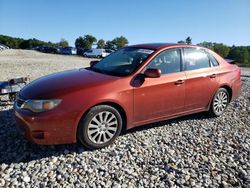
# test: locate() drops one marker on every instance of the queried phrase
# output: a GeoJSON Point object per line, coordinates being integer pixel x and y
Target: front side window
{"type": "Point", "coordinates": [195, 59]}
{"type": "Point", "coordinates": [168, 61]}
{"type": "Point", "coordinates": [122, 62]}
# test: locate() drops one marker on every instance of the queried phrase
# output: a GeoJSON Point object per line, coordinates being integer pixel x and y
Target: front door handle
{"type": "Point", "coordinates": [213, 76]}
{"type": "Point", "coordinates": [179, 82]}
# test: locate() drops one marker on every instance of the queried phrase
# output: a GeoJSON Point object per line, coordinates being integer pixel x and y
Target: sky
{"type": "Point", "coordinates": [140, 21]}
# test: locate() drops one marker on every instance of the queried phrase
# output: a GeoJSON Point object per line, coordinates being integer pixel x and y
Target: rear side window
{"type": "Point", "coordinates": [195, 59]}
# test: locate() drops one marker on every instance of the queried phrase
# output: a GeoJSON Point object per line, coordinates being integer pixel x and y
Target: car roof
{"type": "Point", "coordinates": [157, 46]}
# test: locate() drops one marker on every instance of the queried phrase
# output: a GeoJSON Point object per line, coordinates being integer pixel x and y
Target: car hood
{"type": "Point", "coordinates": [61, 83]}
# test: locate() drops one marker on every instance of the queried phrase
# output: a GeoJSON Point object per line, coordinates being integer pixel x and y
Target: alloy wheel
{"type": "Point", "coordinates": [102, 127]}
{"type": "Point", "coordinates": [220, 102]}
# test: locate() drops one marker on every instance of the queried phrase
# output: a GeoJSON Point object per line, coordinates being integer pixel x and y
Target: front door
{"type": "Point", "coordinates": [160, 97]}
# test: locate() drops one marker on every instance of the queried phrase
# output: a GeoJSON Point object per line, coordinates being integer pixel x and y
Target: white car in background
{"type": "Point", "coordinates": [3, 47]}
{"type": "Point", "coordinates": [99, 53]}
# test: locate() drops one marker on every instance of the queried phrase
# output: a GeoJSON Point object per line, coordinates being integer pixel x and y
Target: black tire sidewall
{"type": "Point", "coordinates": [83, 126]}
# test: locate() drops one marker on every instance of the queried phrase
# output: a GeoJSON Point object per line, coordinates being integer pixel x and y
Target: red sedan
{"type": "Point", "coordinates": [133, 86]}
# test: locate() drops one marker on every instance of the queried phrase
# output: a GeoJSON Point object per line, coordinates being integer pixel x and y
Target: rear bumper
{"type": "Point", "coordinates": [236, 87]}
{"type": "Point", "coordinates": [49, 128]}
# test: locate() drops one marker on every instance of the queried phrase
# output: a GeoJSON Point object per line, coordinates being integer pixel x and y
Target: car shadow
{"type": "Point", "coordinates": [196, 116]}
{"type": "Point", "coordinates": [14, 148]}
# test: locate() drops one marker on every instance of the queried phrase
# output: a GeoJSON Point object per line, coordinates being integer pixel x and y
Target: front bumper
{"type": "Point", "coordinates": [47, 128]}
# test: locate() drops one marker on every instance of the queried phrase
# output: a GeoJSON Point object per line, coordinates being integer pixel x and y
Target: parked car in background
{"type": "Point", "coordinates": [35, 48]}
{"type": "Point", "coordinates": [52, 50]}
{"type": "Point", "coordinates": [3, 47]}
{"type": "Point", "coordinates": [109, 51]}
{"type": "Point", "coordinates": [98, 53]}
{"type": "Point", "coordinates": [68, 51]}
{"type": "Point", "coordinates": [133, 86]}
{"type": "Point", "coordinates": [81, 51]}
{"type": "Point", "coordinates": [39, 48]}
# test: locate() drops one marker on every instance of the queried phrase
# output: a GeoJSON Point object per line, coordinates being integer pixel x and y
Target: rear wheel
{"type": "Point", "coordinates": [219, 103]}
{"type": "Point", "coordinates": [100, 127]}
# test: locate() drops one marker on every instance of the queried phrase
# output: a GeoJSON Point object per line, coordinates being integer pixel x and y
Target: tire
{"type": "Point", "coordinates": [99, 127]}
{"type": "Point", "coordinates": [219, 103]}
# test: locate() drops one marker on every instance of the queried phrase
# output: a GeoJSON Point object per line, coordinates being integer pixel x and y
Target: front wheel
{"type": "Point", "coordinates": [219, 102]}
{"type": "Point", "coordinates": [100, 127]}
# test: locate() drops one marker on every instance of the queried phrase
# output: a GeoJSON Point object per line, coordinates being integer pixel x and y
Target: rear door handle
{"type": "Point", "coordinates": [213, 76]}
{"type": "Point", "coordinates": [179, 82]}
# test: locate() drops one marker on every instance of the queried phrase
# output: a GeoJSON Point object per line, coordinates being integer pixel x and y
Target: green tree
{"type": "Point", "coordinates": [116, 43]}
{"type": "Point", "coordinates": [101, 43]}
{"type": "Point", "coordinates": [16, 43]}
{"type": "Point", "coordinates": [79, 42]}
{"type": "Point", "coordinates": [181, 42]}
{"type": "Point", "coordinates": [120, 42]}
{"type": "Point", "coordinates": [88, 41]}
{"type": "Point", "coordinates": [244, 57]}
{"type": "Point", "coordinates": [85, 42]}
{"type": "Point", "coordinates": [110, 45]}
{"type": "Point", "coordinates": [188, 40]}
{"type": "Point", "coordinates": [221, 49]}
{"type": "Point", "coordinates": [63, 43]}
{"type": "Point", "coordinates": [248, 48]}
{"type": "Point", "coordinates": [206, 44]}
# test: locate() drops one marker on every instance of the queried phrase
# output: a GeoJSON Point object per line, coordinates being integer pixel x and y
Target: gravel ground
{"type": "Point", "coordinates": [245, 71]}
{"type": "Point", "coordinates": [15, 63]}
{"type": "Point", "coordinates": [190, 151]}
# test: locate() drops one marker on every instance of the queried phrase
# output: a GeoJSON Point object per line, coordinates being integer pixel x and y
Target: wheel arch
{"type": "Point", "coordinates": [229, 90]}
{"type": "Point", "coordinates": [112, 104]}
{"type": "Point", "coordinates": [225, 86]}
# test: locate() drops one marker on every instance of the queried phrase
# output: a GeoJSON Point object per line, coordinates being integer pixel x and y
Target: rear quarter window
{"type": "Point", "coordinates": [213, 60]}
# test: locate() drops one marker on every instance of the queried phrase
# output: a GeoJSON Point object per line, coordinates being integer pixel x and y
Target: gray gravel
{"type": "Point", "coordinates": [190, 151]}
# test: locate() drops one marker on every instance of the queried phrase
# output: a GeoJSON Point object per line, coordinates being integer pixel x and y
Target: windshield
{"type": "Point", "coordinates": [122, 62]}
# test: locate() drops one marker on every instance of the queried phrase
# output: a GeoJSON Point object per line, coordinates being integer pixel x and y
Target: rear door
{"type": "Point", "coordinates": [164, 96]}
{"type": "Point", "coordinates": [201, 77]}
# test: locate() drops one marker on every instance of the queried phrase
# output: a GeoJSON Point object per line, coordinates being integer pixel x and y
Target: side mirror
{"type": "Point", "coordinates": [152, 73]}
{"type": "Point", "coordinates": [92, 63]}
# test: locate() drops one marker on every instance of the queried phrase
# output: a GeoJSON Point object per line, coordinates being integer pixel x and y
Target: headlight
{"type": "Point", "coordinates": [41, 105]}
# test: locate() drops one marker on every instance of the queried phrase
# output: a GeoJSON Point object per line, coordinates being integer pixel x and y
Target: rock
{"type": "Point", "coordinates": [117, 185]}
{"type": "Point", "coordinates": [2, 182]}
{"type": "Point", "coordinates": [26, 179]}
{"type": "Point", "coordinates": [54, 160]}
{"type": "Point", "coordinates": [224, 184]}
{"type": "Point", "coordinates": [3, 167]}
{"type": "Point", "coordinates": [187, 177]}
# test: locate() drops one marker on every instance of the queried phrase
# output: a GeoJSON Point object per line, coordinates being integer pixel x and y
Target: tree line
{"type": "Point", "coordinates": [241, 54]}
{"type": "Point", "coordinates": [85, 42]}
{"type": "Point", "coordinates": [20, 43]}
